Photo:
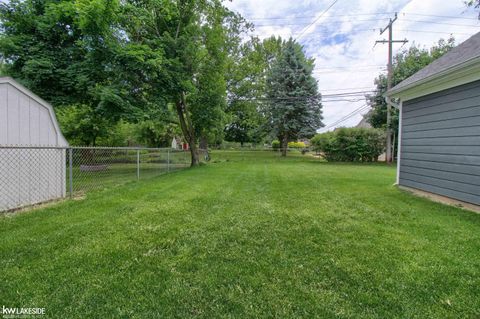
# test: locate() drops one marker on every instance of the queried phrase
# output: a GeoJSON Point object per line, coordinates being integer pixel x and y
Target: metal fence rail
{"type": "Point", "coordinates": [31, 175]}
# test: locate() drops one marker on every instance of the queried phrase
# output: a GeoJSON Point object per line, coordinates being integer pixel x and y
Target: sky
{"type": "Point", "coordinates": [342, 39]}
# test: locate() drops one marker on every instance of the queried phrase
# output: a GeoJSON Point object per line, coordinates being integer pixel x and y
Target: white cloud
{"type": "Point", "coordinates": [342, 40]}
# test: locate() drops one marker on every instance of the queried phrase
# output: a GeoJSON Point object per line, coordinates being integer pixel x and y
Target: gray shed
{"type": "Point", "coordinates": [32, 148]}
{"type": "Point", "coordinates": [439, 137]}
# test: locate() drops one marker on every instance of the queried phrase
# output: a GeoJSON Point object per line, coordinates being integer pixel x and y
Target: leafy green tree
{"type": "Point", "coordinates": [294, 109]}
{"type": "Point", "coordinates": [81, 125]}
{"type": "Point", "coordinates": [124, 59]}
{"type": "Point", "coordinates": [157, 133]}
{"type": "Point", "coordinates": [248, 69]}
{"type": "Point", "coordinates": [192, 37]}
{"type": "Point", "coordinates": [208, 100]}
{"type": "Point", "coordinates": [405, 64]}
{"type": "Point", "coordinates": [69, 53]}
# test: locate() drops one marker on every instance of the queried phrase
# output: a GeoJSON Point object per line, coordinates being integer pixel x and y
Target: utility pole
{"type": "Point", "coordinates": [390, 41]}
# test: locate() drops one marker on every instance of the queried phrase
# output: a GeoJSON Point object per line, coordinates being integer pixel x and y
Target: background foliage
{"type": "Point", "coordinates": [150, 69]}
{"type": "Point", "coordinates": [350, 144]}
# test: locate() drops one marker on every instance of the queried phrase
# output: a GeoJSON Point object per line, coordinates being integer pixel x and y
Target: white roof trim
{"type": "Point", "coordinates": [61, 140]}
{"type": "Point", "coordinates": [463, 73]}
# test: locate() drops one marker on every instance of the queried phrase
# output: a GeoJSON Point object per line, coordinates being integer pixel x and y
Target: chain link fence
{"type": "Point", "coordinates": [32, 175]}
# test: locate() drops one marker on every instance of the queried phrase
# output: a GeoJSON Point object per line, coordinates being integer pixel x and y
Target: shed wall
{"type": "Point", "coordinates": [29, 175]}
{"type": "Point", "coordinates": [440, 146]}
{"type": "Point", "coordinates": [25, 121]}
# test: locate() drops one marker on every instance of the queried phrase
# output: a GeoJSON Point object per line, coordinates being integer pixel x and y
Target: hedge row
{"type": "Point", "coordinates": [276, 145]}
{"type": "Point", "coordinates": [350, 144]}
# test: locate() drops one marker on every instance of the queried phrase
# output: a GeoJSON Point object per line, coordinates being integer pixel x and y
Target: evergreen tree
{"type": "Point", "coordinates": [294, 105]}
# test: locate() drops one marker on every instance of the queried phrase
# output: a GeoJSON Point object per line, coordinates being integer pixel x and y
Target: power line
{"type": "Point", "coordinates": [309, 17]}
{"type": "Point", "coordinates": [306, 22]}
{"type": "Point", "coordinates": [348, 116]}
{"type": "Point", "coordinates": [353, 66]}
{"type": "Point", "coordinates": [363, 14]}
{"type": "Point", "coordinates": [438, 32]}
{"type": "Point", "coordinates": [349, 93]}
{"type": "Point", "coordinates": [367, 20]}
{"type": "Point", "coordinates": [314, 21]}
{"type": "Point", "coordinates": [346, 71]}
{"type": "Point", "coordinates": [376, 29]}
{"type": "Point", "coordinates": [437, 16]}
{"type": "Point", "coordinates": [442, 23]}
{"type": "Point", "coordinates": [341, 94]}
{"type": "Point", "coordinates": [356, 88]}
{"type": "Point", "coordinates": [350, 98]}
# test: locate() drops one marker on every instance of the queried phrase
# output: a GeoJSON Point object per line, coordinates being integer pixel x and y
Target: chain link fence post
{"type": "Point", "coordinates": [31, 175]}
{"type": "Point", "coordinates": [138, 165]}
{"type": "Point", "coordinates": [168, 161]}
{"type": "Point", "coordinates": [70, 171]}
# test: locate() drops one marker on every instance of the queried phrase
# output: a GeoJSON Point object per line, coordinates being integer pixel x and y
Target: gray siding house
{"type": "Point", "coordinates": [439, 137]}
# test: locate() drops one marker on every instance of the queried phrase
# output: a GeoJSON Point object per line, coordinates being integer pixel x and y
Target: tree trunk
{"type": "Point", "coordinates": [203, 142]}
{"type": "Point", "coordinates": [284, 145]}
{"type": "Point", "coordinates": [187, 128]}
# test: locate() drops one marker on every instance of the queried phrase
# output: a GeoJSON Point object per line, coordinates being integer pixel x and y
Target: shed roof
{"type": "Point", "coordinates": [461, 54]}
{"type": "Point", "coordinates": [21, 120]}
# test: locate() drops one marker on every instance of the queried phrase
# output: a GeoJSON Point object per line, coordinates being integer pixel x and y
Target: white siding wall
{"type": "Point", "coordinates": [28, 176]}
{"type": "Point", "coordinates": [24, 121]}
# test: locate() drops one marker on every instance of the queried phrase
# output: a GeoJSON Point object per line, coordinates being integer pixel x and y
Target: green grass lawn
{"type": "Point", "coordinates": [249, 235]}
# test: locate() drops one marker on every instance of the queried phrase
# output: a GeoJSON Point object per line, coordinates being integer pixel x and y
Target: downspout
{"type": "Point", "coordinates": [389, 101]}
{"type": "Point", "coordinates": [399, 138]}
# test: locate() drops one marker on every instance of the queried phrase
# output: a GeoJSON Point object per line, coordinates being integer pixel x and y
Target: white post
{"type": "Point", "coordinates": [399, 140]}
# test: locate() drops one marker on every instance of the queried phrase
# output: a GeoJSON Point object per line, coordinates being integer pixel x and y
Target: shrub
{"type": "Point", "coordinates": [296, 145]}
{"type": "Point", "coordinates": [350, 144]}
{"type": "Point", "coordinates": [276, 145]}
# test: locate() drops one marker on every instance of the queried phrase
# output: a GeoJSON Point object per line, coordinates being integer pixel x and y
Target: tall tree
{"type": "Point", "coordinates": [208, 100]}
{"type": "Point", "coordinates": [294, 109]}
{"type": "Point", "coordinates": [247, 71]}
{"type": "Point", "coordinates": [405, 64]}
{"type": "Point", "coordinates": [241, 85]}
{"type": "Point", "coordinates": [112, 59]}
{"type": "Point", "coordinates": [191, 35]}
{"type": "Point", "coordinates": [67, 52]}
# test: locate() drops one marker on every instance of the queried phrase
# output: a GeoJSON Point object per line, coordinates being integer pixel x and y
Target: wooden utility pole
{"type": "Point", "coordinates": [390, 41]}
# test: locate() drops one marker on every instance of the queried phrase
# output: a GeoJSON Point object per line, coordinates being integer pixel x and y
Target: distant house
{"type": "Point", "coordinates": [306, 141]}
{"type": "Point", "coordinates": [439, 136]}
{"type": "Point", "coordinates": [364, 122]}
{"type": "Point", "coordinates": [178, 144]}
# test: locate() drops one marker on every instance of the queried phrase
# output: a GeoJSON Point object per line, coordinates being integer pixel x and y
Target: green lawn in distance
{"type": "Point", "coordinates": [249, 235]}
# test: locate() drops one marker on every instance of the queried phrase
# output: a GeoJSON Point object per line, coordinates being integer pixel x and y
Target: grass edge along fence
{"type": "Point", "coordinates": [31, 175]}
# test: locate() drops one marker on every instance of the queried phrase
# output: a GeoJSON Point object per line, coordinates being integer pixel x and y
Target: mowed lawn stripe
{"type": "Point", "coordinates": [248, 235]}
